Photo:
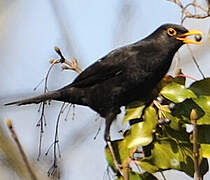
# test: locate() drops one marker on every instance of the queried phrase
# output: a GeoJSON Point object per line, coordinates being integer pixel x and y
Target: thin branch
{"type": "Point", "coordinates": [126, 168]}
{"type": "Point", "coordinates": [54, 167]}
{"type": "Point", "coordinates": [73, 65]}
{"type": "Point", "coordinates": [23, 155]}
{"type": "Point", "coordinates": [194, 117]}
{"type": "Point", "coordinates": [194, 60]}
{"type": "Point", "coordinates": [187, 14]}
{"type": "Point", "coordinates": [41, 124]}
{"type": "Point", "coordinates": [162, 174]}
{"type": "Point", "coordinates": [108, 173]}
{"type": "Point", "coordinates": [186, 76]}
{"type": "Point", "coordinates": [42, 120]}
{"type": "Point", "coordinates": [37, 86]}
{"type": "Point", "coordinates": [69, 108]}
{"type": "Point", "coordinates": [99, 128]}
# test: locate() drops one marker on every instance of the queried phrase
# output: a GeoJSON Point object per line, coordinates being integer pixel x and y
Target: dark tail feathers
{"type": "Point", "coordinates": [36, 99]}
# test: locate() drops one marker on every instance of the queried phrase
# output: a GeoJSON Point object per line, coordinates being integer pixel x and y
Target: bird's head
{"type": "Point", "coordinates": [176, 35]}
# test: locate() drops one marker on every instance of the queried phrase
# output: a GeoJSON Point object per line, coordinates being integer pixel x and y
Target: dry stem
{"type": "Point", "coordinates": [14, 136]}
{"type": "Point", "coordinates": [194, 117]}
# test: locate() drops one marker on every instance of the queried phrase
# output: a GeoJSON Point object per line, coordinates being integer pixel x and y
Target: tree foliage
{"type": "Point", "coordinates": [159, 141]}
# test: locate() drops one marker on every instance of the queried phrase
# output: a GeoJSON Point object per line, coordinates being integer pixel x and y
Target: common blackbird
{"type": "Point", "coordinates": [124, 75]}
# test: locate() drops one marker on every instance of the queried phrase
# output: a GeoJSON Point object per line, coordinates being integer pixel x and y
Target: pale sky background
{"type": "Point", "coordinates": [86, 30]}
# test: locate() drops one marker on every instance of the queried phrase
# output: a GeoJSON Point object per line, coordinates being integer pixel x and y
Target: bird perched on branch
{"type": "Point", "coordinates": [124, 75]}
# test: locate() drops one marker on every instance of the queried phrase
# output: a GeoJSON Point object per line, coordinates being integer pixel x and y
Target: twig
{"type": "Point", "coordinates": [37, 86]}
{"type": "Point", "coordinates": [162, 174]}
{"type": "Point", "coordinates": [186, 76]}
{"type": "Point", "coordinates": [41, 124]}
{"type": "Point", "coordinates": [72, 66]}
{"type": "Point", "coordinates": [42, 120]}
{"type": "Point", "coordinates": [73, 111]}
{"type": "Point", "coordinates": [194, 60]}
{"type": "Point", "coordinates": [54, 167]}
{"type": "Point", "coordinates": [108, 173]}
{"type": "Point", "coordinates": [126, 168]}
{"type": "Point", "coordinates": [68, 111]}
{"type": "Point", "coordinates": [69, 65]}
{"type": "Point", "coordinates": [187, 14]}
{"type": "Point", "coordinates": [116, 165]}
{"type": "Point", "coordinates": [99, 128]}
{"type": "Point", "coordinates": [14, 136]}
{"type": "Point", "coordinates": [194, 117]}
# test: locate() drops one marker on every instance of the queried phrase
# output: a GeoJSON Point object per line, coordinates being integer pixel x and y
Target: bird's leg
{"type": "Point", "coordinates": [109, 119]}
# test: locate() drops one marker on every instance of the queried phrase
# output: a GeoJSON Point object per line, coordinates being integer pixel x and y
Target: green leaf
{"type": "Point", "coordinates": [168, 154]}
{"type": "Point", "coordinates": [141, 133]}
{"type": "Point", "coordinates": [183, 110]}
{"type": "Point", "coordinates": [176, 92]}
{"type": "Point", "coordinates": [133, 113]}
{"type": "Point", "coordinates": [165, 113]}
{"type": "Point", "coordinates": [204, 140]}
{"type": "Point", "coordinates": [203, 134]}
{"type": "Point", "coordinates": [167, 80]}
{"type": "Point", "coordinates": [180, 79]}
{"type": "Point", "coordinates": [180, 135]}
{"type": "Point", "coordinates": [148, 176]}
{"type": "Point", "coordinates": [136, 176]}
{"type": "Point", "coordinates": [204, 104]}
{"type": "Point", "coordinates": [205, 150]}
{"type": "Point", "coordinates": [201, 87]}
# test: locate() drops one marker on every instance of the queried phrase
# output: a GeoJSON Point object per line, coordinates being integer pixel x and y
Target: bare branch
{"type": "Point", "coordinates": [23, 155]}
{"type": "Point", "coordinates": [54, 169]}
{"type": "Point", "coordinates": [194, 117]}
{"type": "Point", "coordinates": [187, 14]}
{"type": "Point", "coordinates": [68, 65]}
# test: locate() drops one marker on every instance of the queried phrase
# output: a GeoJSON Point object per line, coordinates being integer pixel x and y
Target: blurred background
{"type": "Point", "coordinates": [86, 30]}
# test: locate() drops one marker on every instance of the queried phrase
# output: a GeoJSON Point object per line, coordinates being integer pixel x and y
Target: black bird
{"type": "Point", "coordinates": [124, 75]}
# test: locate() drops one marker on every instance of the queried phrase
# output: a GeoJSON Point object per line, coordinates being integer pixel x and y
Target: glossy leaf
{"type": "Point", "coordinates": [141, 133]}
{"type": "Point", "coordinates": [167, 154]}
{"type": "Point", "coordinates": [201, 87]}
{"type": "Point", "coordinates": [183, 110]}
{"type": "Point", "coordinates": [176, 92]}
{"type": "Point", "coordinates": [167, 80]}
{"type": "Point", "coordinates": [204, 140]}
{"type": "Point", "coordinates": [133, 113]}
{"type": "Point", "coordinates": [205, 150]}
{"type": "Point", "coordinates": [180, 135]}
{"type": "Point", "coordinates": [204, 104]}
{"type": "Point", "coordinates": [200, 104]}
{"type": "Point", "coordinates": [136, 176]}
{"type": "Point", "coordinates": [180, 79]}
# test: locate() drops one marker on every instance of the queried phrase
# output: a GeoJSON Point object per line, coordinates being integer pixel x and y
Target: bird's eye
{"type": "Point", "coordinates": [171, 31]}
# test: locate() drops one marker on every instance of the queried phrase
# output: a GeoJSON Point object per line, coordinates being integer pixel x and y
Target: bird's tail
{"type": "Point", "coordinates": [36, 99]}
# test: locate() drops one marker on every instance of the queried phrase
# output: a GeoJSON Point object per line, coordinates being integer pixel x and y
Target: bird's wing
{"type": "Point", "coordinates": [96, 73]}
{"type": "Point", "coordinates": [105, 68]}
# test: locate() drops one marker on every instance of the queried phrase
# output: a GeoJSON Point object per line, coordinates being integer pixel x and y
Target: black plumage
{"type": "Point", "coordinates": [124, 75]}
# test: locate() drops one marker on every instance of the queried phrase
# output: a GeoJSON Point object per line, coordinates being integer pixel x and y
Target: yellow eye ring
{"type": "Point", "coordinates": [171, 31]}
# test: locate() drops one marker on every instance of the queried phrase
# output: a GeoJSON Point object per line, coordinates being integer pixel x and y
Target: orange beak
{"type": "Point", "coordinates": [189, 33]}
